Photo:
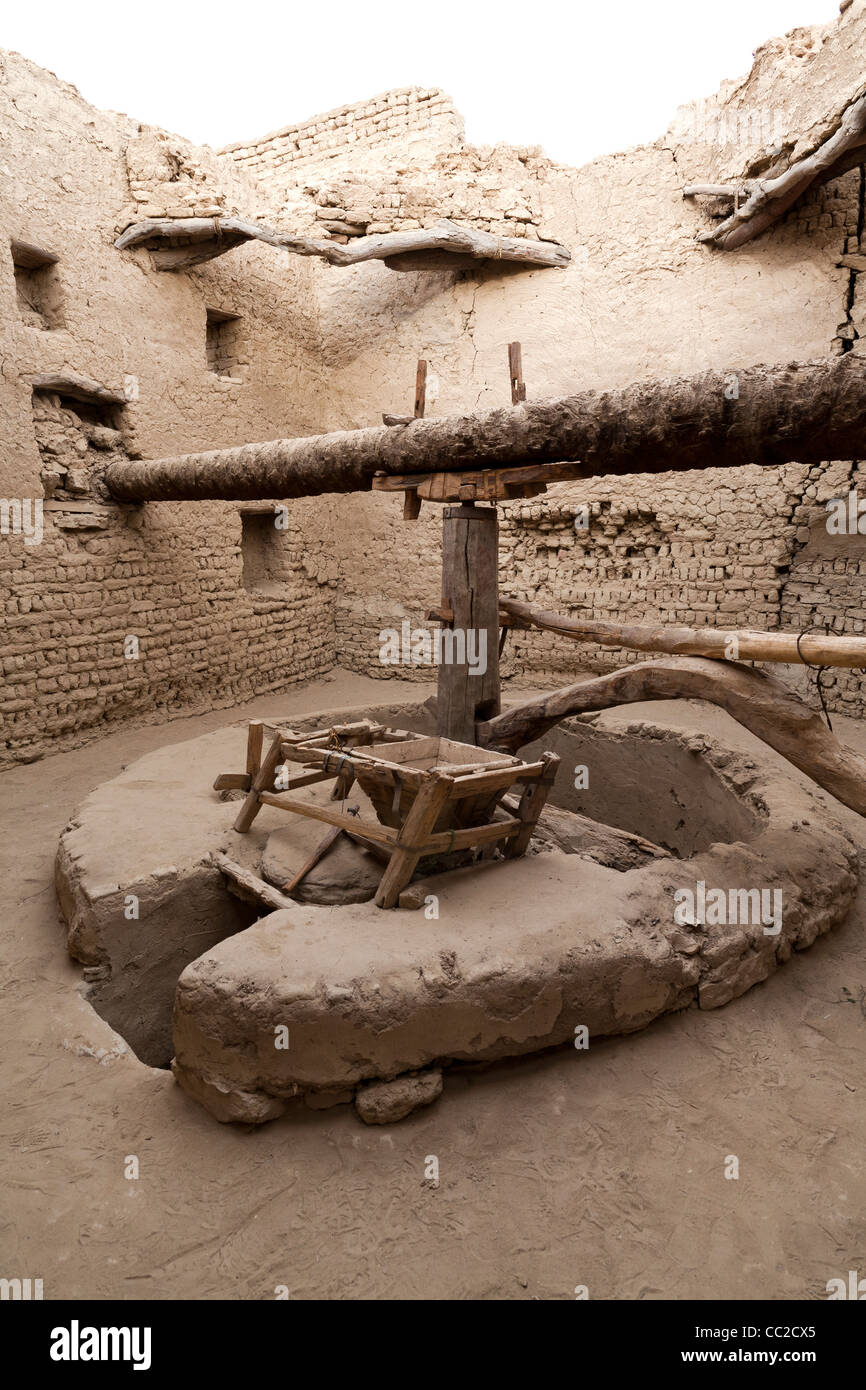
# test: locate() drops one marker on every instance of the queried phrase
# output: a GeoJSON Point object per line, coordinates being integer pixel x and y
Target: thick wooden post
{"type": "Point", "coordinates": [469, 656]}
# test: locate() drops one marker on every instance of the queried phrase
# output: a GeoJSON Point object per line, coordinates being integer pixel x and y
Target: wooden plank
{"type": "Point", "coordinates": [470, 587]}
{"type": "Point", "coordinates": [263, 779]}
{"type": "Point", "coordinates": [411, 838]}
{"type": "Point", "coordinates": [468, 754]}
{"type": "Point", "coordinates": [318, 853]}
{"type": "Point", "coordinates": [307, 779]}
{"type": "Point", "coordinates": [371, 846]}
{"type": "Point", "coordinates": [474, 835]}
{"type": "Point", "coordinates": [383, 769]}
{"type": "Point", "coordinates": [737, 644]}
{"type": "Point", "coordinates": [255, 737]}
{"type": "Point", "coordinates": [249, 886]}
{"type": "Point", "coordinates": [28, 256]}
{"type": "Point", "coordinates": [413, 750]}
{"type": "Point", "coordinates": [490, 781]}
{"type": "Point", "coordinates": [343, 784]}
{"type": "Point", "coordinates": [515, 371]}
{"type": "Point", "coordinates": [93, 508]}
{"type": "Point", "coordinates": [477, 485]}
{"type": "Point", "coordinates": [233, 781]}
{"type": "Point", "coordinates": [531, 802]}
{"type": "Point", "coordinates": [381, 834]}
{"type": "Point", "coordinates": [420, 389]}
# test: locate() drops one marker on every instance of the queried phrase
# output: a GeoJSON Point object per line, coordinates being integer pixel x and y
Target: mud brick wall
{"type": "Point", "coordinates": [747, 547]}
{"type": "Point", "coordinates": [718, 553]}
{"type": "Point", "coordinates": [494, 190]}
{"type": "Point", "coordinates": [72, 603]}
{"type": "Point", "coordinates": [405, 115]}
{"type": "Point", "coordinates": [223, 608]}
{"type": "Point", "coordinates": [170, 577]}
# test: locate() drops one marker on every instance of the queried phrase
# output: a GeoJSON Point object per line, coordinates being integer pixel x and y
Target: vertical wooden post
{"type": "Point", "coordinates": [515, 371]}
{"type": "Point", "coordinates": [263, 781]}
{"type": "Point", "coordinates": [420, 389]}
{"type": "Point", "coordinates": [255, 737]}
{"type": "Point", "coordinates": [470, 589]}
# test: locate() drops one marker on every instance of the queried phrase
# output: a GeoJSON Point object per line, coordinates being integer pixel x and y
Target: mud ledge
{"type": "Point", "coordinates": [520, 955]}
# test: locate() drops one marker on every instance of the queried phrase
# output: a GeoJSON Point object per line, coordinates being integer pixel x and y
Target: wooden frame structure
{"type": "Point", "coordinates": [438, 809]}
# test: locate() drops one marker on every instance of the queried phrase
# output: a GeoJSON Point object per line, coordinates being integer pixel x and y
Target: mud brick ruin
{"type": "Point", "coordinates": [273, 401]}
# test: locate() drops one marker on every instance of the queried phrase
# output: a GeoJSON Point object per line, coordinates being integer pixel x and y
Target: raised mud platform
{"type": "Point", "coordinates": [323, 1003]}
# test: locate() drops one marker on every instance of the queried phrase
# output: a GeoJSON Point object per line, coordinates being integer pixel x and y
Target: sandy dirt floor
{"type": "Point", "coordinates": [603, 1169]}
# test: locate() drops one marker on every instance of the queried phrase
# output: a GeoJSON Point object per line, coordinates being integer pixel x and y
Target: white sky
{"type": "Point", "coordinates": [581, 79]}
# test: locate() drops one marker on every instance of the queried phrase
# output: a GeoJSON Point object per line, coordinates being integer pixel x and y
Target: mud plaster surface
{"type": "Point", "coordinates": [611, 1178]}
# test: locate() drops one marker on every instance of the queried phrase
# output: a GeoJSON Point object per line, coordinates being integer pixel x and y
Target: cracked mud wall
{"type": "Point", "coordinates": [314, 348]}
{"type": "Point", "coordinates": [640, 299]}
{"type": "Point", "coordinates": [172, 577]}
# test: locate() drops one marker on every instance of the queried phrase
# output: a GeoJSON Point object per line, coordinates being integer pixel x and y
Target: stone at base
{"type": "Point", "coordinates": [226, 1104]}
{"type": "Point", "coordinates": [346, 874]}
{"type": "Point", "coordinates": [386, 1102]}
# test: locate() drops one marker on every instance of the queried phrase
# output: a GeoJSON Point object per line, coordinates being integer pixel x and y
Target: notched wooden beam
{"type": "Point", "coordinates": [843, 148]}
{"type": "Point", "coordinates": [180, 242]}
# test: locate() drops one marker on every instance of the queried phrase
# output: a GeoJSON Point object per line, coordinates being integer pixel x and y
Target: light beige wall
{"type": "Point", "coordinates": [641, 299]}
{"type": "Point", "coordinates": [334, 348]}
{"type": "Point", "coordinates": [169, 575]}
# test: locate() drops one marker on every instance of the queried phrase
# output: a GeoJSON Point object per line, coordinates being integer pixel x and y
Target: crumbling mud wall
{"type": "Point", "coordinates": [641, 298]}
{"type": "Point", "coordinates": [110, 613]}
{"type": "Point", "coordinates": [392, 126]}
{"type": "Point", "coordinates": [120, 613]}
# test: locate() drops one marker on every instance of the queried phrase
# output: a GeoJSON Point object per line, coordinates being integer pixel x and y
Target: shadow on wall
{"type": "Point", "coordinates": [361, 308]}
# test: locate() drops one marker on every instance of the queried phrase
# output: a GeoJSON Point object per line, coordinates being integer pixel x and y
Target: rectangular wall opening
{"type": "Point", "coordinates": [40, 298]}
{"type": "Point", "coordinates": [224, 342]}
{"type": "Point", "coordinates": [264, 552]}
{"type": "Point", "coordinates": [79, 430]}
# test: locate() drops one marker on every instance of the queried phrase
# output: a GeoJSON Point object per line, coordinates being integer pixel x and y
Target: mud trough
{"type": "Point", "coordinates": [321, 1003]}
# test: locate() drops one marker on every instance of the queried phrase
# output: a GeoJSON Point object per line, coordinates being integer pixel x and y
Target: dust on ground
{"type": "Point", "coordinates": [603, 1168]}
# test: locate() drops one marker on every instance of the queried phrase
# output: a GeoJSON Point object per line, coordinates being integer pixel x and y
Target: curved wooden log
{"type": "Point", "coordinates": [803, 413]}
{"type": "Point", "coordinates": [769, 198]}
{"type": "Point", "coordinates": [815, 649]}
{"type": "Point", "coordinates": [762, 704]}
{"type": "Point", "coordinates": [179, 242]}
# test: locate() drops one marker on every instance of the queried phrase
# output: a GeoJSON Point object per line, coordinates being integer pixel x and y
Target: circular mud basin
{"type": "Point", "coordinates": [667, 871]}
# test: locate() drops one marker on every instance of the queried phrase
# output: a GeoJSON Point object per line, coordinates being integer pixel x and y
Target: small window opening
{"type": "Point", "coordinates": [224, 342]}
{"type": "Point", "coordinates": [78, 435]}
{"type": "Point", "coordinates": [264, 551]}
{"type": "Point", "coordinates": [37, 286]}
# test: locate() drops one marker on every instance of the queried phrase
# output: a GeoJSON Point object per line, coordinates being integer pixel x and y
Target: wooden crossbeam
{"type": "Point", "coordinates": [732, 644]}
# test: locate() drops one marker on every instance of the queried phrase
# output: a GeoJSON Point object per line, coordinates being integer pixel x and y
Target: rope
{"type": "Point", "coordinates": [818, 669]}
{"type": "Point", "coordinates": [326, 766]}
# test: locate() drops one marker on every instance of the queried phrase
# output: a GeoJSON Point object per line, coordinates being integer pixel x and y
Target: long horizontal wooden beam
{"type": "Point", "coordinates": [737, 644]}
{"type": "Point", "coordinates": [180, 242]}
{"type": "Point", "coordinates": [804, 413]}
